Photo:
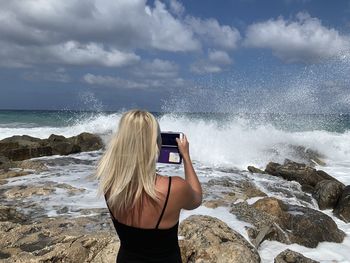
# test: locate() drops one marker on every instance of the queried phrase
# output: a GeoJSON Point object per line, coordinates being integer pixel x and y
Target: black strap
{"type": "Point", "coordinates": [166, 202]}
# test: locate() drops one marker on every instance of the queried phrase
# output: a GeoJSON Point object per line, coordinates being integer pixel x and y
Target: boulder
{"type": "Point", "coordinates": [224, 191]}
{"type": "Point", "coordinates": [4, 161]}
{"type": "Point", "coordinates": [18, 148]}
{"type": "Point", "coordinates": [207, 239]}
{"type": "Point", "coordinates": [287, 223]}
{"type": "Point", "coordinates": [10, 214]}
{"type": "Point", "coordinates": [87, 142]}
{"type": "Point", "coordinates": [289, 256]}
{"type": "Point", "coordinates": [253, 169]}
{"type": "Point", "coordinates": [303, 174]}
{"type": "Point", "coordinates": [59, 239]}
{"type": "Point", "coordinates": [327, 193]}
{"type": "Point", "coordinates": [310, 156]}
{"type": "Point", "coordinates": [342, 209]}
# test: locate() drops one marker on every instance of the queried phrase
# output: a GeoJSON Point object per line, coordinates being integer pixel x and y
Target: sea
{"type": "Point", "coordinates": [221, 144]}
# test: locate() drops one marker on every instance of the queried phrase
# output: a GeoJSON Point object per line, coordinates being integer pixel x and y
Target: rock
{"type": "Point", "coordinates": [224, 191]}
{"type": "Point", "coordinates": [342, 209]}
{"type": "Point", "coordinates": [253, 169]}
{"type": "Point", "coordinates": [207, 239]}
{"type": "Point", "coordinates": [311, 157]}
{"type": "Point", "coordinates": [327, 193]}
{"type": "Point", "coordinates": [289, 256]}
{"type": "Point", "coordinates": [303, 174]}
{"type": "Point", "coordinates": [10, 214]}
{"type": "Point", "coordinates": [25, 191]}
{"type": "Point", "coordinates": [288, 223]}
{"type": "Point", "coordinates": [36, 166]}
{"type": "Point", "coordinates": [4, 163]}
{"type": "Point", "coordinates": [19, 154]}
{"type": "Point", "coordinates": [13, 173]}
{"type": "Point", "coordinates": [59, 239]}
{"type": "Point", "coordinates": [18, 148]}
{"type": "Point", "coordinates": [87, 142]}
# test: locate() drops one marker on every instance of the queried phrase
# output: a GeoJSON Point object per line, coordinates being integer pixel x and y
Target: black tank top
{"type": "Point", "coordinates": [140, 245]}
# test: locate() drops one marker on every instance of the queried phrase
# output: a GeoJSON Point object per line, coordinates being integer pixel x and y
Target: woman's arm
{"type": "Point", "coordinates": [191, 187]}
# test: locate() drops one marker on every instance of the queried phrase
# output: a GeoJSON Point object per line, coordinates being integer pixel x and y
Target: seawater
{"type": "Point", "coordinates": [220, 145]}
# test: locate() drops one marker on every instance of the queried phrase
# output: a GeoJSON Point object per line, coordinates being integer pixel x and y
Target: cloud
{"type": "Point", "coordinates": [122, 83]}
{"type": "Point", "coordinates": [68, 31]}
{"type": "Point", "coordinates": [109, 81]}
{"type": "Point", "coordinates": [303, 40]}
{"type": "Point", "coordinates": [90, 54]}
{"type": "Point", "coordinates": [216, 35]}
{"type": "Point", "coordinates": [219, 57]}
{"type": "Point", "coordinates": [176, 7]}
{"type": "Point", "coordinates": [202, 67]}
{"type": "Point", "coordinates": [216, 62]}
{"type": "Point", "coordinates": [157, 69]}
{"type": "Point", "coordinates": [68, 53]}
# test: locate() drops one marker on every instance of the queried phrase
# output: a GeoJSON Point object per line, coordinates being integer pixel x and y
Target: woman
{"type": "Point", "coordinates": [144, 205]}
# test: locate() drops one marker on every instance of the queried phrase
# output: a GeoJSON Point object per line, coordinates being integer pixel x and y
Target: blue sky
{"type": "Point", "coordinates": [225, 56]}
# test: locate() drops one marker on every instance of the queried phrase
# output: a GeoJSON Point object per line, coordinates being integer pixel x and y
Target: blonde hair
{"type": "Point", "coordinates": [128, 167]}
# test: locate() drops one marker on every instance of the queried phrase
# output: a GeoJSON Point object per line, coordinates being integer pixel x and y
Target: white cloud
{"type": "Point", "coordinates": [222, 36]}
{"type": "Point", "coordinates": [157, 68]}
{"type": "Point", "coordinates": [122, 83]}
{"type": "Point", "coordinates": [302, 40]}
{"type": "Point", "coordinates": [68, 53]}
{"type": "Point", "coordinates": [216, 62]}
{"type": "Point", "coordinates": [169, 33]}
{"type": "Point", "coordinates": [110, 29]}
{"type": "Point", "coordinates": [219, 57]}
{"type": "Point", "coordinates": [108, 81]}
{"type": "Point", "coordinates": [176, 7]}
{"type": "Point", "coordinates": [90, 54]}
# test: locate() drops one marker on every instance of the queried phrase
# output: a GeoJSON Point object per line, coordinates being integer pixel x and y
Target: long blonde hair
{"type": "Point", "coordinates": [128, 167]}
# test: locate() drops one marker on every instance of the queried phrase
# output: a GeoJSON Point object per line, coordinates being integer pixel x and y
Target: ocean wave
{"type": "Point", "coordinates": [226, 142]}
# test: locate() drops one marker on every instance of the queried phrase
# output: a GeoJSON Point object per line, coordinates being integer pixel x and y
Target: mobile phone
{"type": "Point", "coordinates": [169, 152]}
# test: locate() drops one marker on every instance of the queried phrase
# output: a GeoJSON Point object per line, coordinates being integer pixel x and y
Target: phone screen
{"type": "Point", "coordinates": [169, 139]}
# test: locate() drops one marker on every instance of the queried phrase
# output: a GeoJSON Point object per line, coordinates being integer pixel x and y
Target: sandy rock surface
{"type": "Point", "coordinates": [207, 239]}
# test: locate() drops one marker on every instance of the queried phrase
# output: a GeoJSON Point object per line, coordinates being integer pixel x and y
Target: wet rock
{"type": "Point", "coordinates": [4, 163]}
{"type": "Point", "coordinates": [58, 240]}
{"type": "Point", "coordinates": [36, 166]}
{"type": "Point", "coordinates": [327, 193]}
{"type": "Point", "coordinates": [224, 191]}
{"type": "Point", "coordinates": [13, 173]}
{"type": "Point", "coordinates": [207, 239]}
{"type": "Point", "coordinates": [342, 209]}
{"type": "Point", "coordinates": [310, 156]}
{"type": "Point", "coordinates": [70, 189]}
{"type": "Point", "coordinates": [10, 214]}
{"type": "Point", "coordinates": [62, 161]}
{"type": "Point", "coordinates": [25, 191]}
{"type": "Point", "coordinates": [87, 142]}
{"type": "Point", "coordinates": [299, 172]}
{"type": "Point", "coordinates": [289, 256]}
{"type": "Point", "coordinates": [288, 223]}
{"type": "Point", "coordinates": [18, 148]}
{"type": "Point", "coordinates": [253, 169]}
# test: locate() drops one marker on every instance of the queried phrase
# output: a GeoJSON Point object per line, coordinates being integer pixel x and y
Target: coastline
{"type": "Point", "coordinates": [221, 194]}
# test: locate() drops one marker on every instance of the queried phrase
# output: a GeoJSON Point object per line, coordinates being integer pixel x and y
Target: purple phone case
{"type": "Point", "coordinates": [170, 155]}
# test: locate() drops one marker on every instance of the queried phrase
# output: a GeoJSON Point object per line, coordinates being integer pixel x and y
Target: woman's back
{"type": "Point", "coordinates": [144, 206]}
{"type": "Point", "coordinates": [149, 240]}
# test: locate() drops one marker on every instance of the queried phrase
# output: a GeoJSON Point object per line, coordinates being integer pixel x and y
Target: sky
{"type": "Point", "coordinates": [288, 56]}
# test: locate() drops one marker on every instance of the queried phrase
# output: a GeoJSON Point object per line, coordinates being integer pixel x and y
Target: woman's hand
{"type": "Point", "coordinates": [183, 145]}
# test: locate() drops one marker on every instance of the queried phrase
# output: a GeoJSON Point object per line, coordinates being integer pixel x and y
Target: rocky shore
{"type": "Point", "coordinates": [28, 234]}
